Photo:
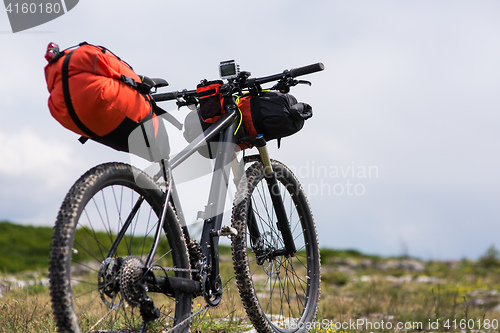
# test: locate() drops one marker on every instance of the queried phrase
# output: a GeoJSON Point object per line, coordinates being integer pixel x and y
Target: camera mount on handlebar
{"type": "Point", "coordinates": [229, 70]}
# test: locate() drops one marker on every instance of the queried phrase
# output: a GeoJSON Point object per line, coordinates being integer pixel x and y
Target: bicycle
{"type": "Point", "coordinates": [122, 259]}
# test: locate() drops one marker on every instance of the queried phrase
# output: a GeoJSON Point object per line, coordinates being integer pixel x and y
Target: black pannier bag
{"type": "Point", "coordinates": [273, 114]}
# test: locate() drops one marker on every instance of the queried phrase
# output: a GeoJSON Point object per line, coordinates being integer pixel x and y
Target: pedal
{"type": "Point", "coordinates": [225, 231]}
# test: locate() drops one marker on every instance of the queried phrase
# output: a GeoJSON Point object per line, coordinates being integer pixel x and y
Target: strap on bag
{"type": "Point", "coordinates": [67, 99]}
{"type": "Point", "coordinates": [127, 80]}
{"type": "Point", "coordinates": [159, 112]}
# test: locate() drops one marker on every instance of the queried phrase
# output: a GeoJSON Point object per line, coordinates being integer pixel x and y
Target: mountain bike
{"type": "Point", "coordinates": [122, 259]}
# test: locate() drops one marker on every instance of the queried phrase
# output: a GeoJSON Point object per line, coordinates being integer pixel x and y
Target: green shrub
{"type": "Point", "coordinates": [24, 247]}
{"type": "Point", "coordinates": [490, 259]}
{"type": "Point", "coordinates": [336, 278]}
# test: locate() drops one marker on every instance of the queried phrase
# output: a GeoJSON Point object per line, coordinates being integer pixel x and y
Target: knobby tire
{"type": "Point", "coordinates": [93, 212]}
{"type": "Point", "coordinates": [279, 293]}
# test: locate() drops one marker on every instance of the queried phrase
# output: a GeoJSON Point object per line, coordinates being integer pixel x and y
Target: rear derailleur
{"type": "Point", "coordinates": [128, 277]}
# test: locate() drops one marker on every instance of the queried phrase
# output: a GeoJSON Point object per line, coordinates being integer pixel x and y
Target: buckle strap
{"type": "Point", "coordinates": [141, 87]}
{"type": "Point", "coordinates": [67, 98]}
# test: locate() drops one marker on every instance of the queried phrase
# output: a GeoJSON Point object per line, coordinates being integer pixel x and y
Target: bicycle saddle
{"type": "Point", "coordinates": [153, 82]}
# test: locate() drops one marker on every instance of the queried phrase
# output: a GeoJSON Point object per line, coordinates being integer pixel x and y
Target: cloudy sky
{"type": "Point", "coordinates": [400, 157]}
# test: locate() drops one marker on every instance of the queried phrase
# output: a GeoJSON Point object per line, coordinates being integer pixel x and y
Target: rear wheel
{"type": "Point", "coordinates": [102, 237]}
{"type": "Point", "coordinates": [280, 292]}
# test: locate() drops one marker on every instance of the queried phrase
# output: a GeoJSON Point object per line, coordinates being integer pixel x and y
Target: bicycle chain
{"type": "Point", "coordinates": [172, 269]}
{"type": "Point", "coordinates": [196, 259]}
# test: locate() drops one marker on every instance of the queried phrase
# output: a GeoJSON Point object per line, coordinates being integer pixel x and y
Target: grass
{"type": "Point", "coordinates": [440, 298]}
{"type": "Point", "coordinates": [26, 310]}
{"type": "Point", "coordinates": [356, 289]}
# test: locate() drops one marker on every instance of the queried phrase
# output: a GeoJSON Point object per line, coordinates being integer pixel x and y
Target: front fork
{"type": "Point", "coordinates": [277, 200]}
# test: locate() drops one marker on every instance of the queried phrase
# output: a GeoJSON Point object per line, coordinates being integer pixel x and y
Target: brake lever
{"type": "Point", "coordinates": [304, 82]}
{"type": "Point", "coordinates": [284, 85]}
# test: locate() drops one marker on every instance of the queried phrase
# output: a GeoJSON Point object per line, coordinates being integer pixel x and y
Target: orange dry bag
{"type": "Point", "coordinates": [97, 95]}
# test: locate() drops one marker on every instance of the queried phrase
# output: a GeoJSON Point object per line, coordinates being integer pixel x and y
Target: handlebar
{"type": "Point", "coordinates": [246, 82]}
{"type": "Point", "coordinates": [172, 95]}
{"type": "Point", "coordinates": [318, 67]}
{"type": "Point", "coordinates": [309, 69]}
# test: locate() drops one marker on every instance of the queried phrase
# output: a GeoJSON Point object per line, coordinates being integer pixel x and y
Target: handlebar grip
{"type": "Point", "coordinates": [318, 67]}
{"type": "Point", "coordinates": [165, 96]}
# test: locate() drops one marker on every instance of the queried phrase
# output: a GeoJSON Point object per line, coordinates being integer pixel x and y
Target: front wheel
{"type": "Point", "coordinates": [279, 292]}
{"type": "Point", "coordinates": [102, 237]}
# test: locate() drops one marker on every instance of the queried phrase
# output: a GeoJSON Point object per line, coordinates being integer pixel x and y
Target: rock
{"type": "Point", "coordinates": [12, 283]}
{"type": "Point", "coordinates": [489, 299]}
{"type": "Point", "coordinates": [411, 265]}
{"type": "Point", "coordinates": [428, 279]}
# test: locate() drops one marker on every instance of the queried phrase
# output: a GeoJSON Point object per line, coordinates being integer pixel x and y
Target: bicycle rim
{"type": "Point", "coordinates": [87, 261]}
{"type": "Point", "coordinates": [280, 293]}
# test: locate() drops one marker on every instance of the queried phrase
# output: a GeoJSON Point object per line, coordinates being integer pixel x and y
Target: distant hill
{"type": "Point", "coordinates": [23, 247]}
{"type": "Point", "coordinates": [27, 248]}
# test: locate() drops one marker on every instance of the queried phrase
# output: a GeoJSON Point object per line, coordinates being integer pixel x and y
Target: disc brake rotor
{"type": "Point", "coordinates": [108, 282]}
{"type": "Point", "coordinates": [265, 247]}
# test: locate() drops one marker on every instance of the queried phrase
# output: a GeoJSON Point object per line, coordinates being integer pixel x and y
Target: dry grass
{"type": "Point", "coordinates": [457, 296]}
{"type": "Point", "coordinates": [460, 292]}
{"type": "Point", "coordinates": [26, 310]}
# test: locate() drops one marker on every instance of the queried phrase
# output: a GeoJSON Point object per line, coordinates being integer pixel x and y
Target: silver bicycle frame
{"type": "Point", "coordinates": [225, 126]}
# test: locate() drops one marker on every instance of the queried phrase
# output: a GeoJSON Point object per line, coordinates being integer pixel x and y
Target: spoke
{"type": "Point", "coordinates": [99, 321]}
{"type": "Point", "coordinates": [301, 262]}
{"type": "Point", "coordinates": [105, 222]}
{"type": "Point", "coordinates": [263, 199]}
{"type": "Point", "coordinates": [112, 217]}
{"type": "Point", "coordinates": [84, 265]}
{"type": "Point", "coordinates": [106, 209]}
{"type": "Point", "coordinates": [93, 233]}
{"type": "Point", "coordinates": [284, 290]}
{"type": "Point", "coordinates": [293, 281]}
{"type": "Point", "coordinates": [84, 309]}
{"type": "Point", "coordinates": [264, 283]}
{"type": "Point", "coordinates": [147, 227]}
{"type": "Point", "coordinates": [164, 255]}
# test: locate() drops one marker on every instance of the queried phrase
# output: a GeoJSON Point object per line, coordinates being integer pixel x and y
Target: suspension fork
{"type": "Point", "coordinates": [277, 200]}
